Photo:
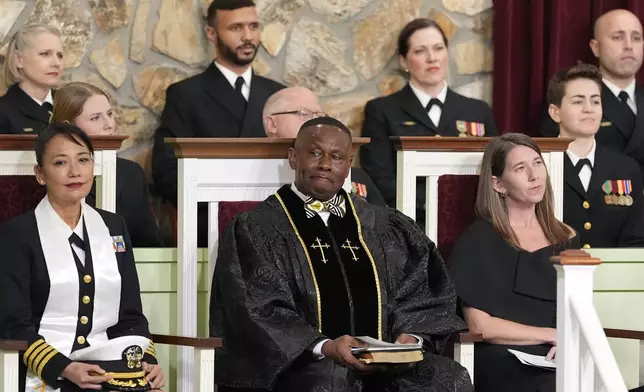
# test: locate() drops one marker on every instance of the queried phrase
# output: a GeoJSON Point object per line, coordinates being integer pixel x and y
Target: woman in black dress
{"type": "Point", "coordinates": [33, 67]}
{"type": "Point", "coordinates": [504, 279]}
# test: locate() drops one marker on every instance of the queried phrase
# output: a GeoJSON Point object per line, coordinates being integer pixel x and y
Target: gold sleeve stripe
{"type": "Point", "coordinates": [44, 362]}
{"type": "Point", "coordinates": [153, 353]}
{"type": "Point", "coordinates": [34, 364]}
{"type": "Point", "coordinates": [36, 345]}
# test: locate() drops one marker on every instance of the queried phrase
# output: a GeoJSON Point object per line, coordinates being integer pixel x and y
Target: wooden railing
{"type": "Point", "coordinates": [585, 361]}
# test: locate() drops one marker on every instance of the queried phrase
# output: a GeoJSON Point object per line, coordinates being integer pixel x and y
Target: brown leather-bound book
{"type": "Point", "coordinates": [378, 351]}
{"type": "Point", "coordinates": [391, 357]}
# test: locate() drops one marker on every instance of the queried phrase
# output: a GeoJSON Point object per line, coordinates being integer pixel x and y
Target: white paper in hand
{"type": "Point", "coordinates": [379, 345]}
{"type": "Point", "coordinates": [533, 360]}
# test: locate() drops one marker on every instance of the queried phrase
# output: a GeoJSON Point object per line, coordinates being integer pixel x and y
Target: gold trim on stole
{"type": "Point", "coordinates": [373, 265]}
{"type": "Point", "coordinates": [308, 259]}
{"type": "Point", "coordinates": [315, 283]}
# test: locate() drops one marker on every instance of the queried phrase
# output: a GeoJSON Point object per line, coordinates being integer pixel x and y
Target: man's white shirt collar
{"type": "Point", "coordinates": [232, 76]}
{"type": "Point", "coordinates": [630, 89]}
{"type": "Point", "coordinates": [323, 214]}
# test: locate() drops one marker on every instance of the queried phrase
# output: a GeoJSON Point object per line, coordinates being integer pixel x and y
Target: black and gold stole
{"type": "Point", "coordinates": [344, 272]}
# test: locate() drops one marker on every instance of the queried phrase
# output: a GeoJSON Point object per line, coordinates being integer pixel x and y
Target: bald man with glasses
{"type": "Point", "coordinates": [286, 111]}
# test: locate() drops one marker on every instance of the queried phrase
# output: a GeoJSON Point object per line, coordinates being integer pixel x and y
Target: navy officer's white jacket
{"type": "Point", "coordinates": [62, 295]}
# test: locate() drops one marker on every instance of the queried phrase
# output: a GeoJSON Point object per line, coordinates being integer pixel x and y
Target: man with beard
{"type": "Point", "coordinates": [618, 44]}
{"type": "Point", "coordinates": [311, 268]}
{"type": "Point", "coordinates": [226, 100]}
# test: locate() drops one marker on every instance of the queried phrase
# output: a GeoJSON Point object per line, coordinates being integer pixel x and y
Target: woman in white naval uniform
{"type": "Point", "coordinates": [67, 276]}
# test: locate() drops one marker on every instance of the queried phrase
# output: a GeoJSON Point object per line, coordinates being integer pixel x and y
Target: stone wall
{"type": "Point", "coordinates": [342, 49]}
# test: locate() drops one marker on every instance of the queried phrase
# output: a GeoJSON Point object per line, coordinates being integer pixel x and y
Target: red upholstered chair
{"type": "Point", "coordinates": [229, 209]}
{"type": "Point", "coordinates": [19, 194]}
{"type": "Point", "coordinates": [456, 199]}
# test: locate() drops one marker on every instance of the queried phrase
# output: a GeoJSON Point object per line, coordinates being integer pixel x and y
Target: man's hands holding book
{"type": "Point", "coordinates": [345, 351]}
{"type": "Point", "coordinates": [339, 350]}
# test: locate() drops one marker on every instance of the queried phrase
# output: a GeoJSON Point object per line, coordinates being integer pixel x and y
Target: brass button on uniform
{"type": "Point", "coordinates": [86, 299]}
{"type": "Point", "coordinates": [586, 246]}
{"type": "Point", "coordinates": [586, 205]}
{"type": "Point", "coordinates": [80, 340]}
{"type": "Point", "coordinates": [587, 225]}
{"type": "Point", "coordinates": [87, 279]}
{"type": "Point", "coordinates": [84, 320]}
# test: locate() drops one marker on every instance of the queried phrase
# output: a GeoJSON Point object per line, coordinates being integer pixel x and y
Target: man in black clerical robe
{"type": "Point", "coordinates": [311, 268]}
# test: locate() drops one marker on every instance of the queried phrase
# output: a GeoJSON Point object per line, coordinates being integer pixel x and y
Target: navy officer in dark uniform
{"type": "Point", "coordinates": [33, 66]}
{"type": "Point", "coordinates": [226, 100]}
{"type": "Point", "coordinates": [286, 111]}
{"type": "Point", "coordinates": [68, 279]}
{"type": "Point", "coordinates": [603, 188]}
{"type": "Point", "coordinates": [425, 107]}
{"type": "Point", "coordinates": [618, 44]}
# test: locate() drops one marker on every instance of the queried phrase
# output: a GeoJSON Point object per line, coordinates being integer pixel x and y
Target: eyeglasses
{"type": "Point", "coordinates": [303, 114]}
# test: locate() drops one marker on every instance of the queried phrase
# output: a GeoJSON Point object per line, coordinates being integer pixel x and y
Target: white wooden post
{"type": "Point", "coordinates": [582, 347]}
{"type": "Point", "coordinates": [9, 362]}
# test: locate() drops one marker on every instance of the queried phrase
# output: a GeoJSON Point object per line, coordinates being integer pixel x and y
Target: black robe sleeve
{"type": "Point", "coordinates": [253, 307]}
{"type": "Point", "coordinates": [422, 299]}
{"type": "Point", "coordinates": [16, 309]}
{"type": "Point", "coordinates": [132, 321]}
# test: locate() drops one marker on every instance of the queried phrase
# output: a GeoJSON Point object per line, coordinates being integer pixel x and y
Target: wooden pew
{"type": "Point", "coordinates": [433, 157]}
{"type": "Point", "coordinates": [17, 158]}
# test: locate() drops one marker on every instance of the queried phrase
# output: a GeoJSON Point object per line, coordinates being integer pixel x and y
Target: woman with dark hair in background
{"type": "Point", "coordinates": [425, 107]}
{"type": "Point", "coordinates": [500, 265]}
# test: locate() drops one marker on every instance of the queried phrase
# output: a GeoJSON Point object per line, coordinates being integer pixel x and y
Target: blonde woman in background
{"type": "Point", "coordinates": [33, 66]}
{"type": "Point", "coordinates": [90, 109]}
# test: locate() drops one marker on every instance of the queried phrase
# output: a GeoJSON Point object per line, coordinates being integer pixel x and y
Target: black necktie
{"type": "Point", "coordinates": [47, 106]}
{"type": "Point", "coordinates": [432, 102]}
{"type": "Point", "coordinates": [76, 240]}
{"type": "Point", "coordinates": [239, 83]}
{"type": "Point", "coordinates": [623, 96]}
{"type": "Point", "coordinates": [581, 163]}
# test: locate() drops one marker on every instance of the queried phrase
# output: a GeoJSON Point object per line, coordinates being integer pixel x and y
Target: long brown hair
{"type": "Point", "coordinates": [69, 101]}
{"type": "Point", "coordinates": [492, 207]}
